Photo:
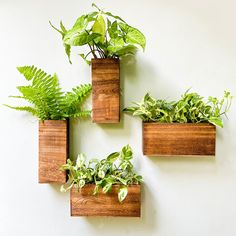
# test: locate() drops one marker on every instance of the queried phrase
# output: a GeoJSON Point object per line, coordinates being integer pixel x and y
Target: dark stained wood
{"type": "Point", "coordinates": [84, 203]}
{"type": "Point", "coordinates": [106, 90]}
{"type": "Point", "coordinates": [53, 150]}
{"type": "Point", "coordinates": [167, 139]}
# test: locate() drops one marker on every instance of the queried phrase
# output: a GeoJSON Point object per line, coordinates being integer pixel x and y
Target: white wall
{"type": "Point", "coordinates": [189, 44]}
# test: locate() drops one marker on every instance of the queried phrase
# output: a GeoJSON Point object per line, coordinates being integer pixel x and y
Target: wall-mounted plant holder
{"type": "Point", "coordinates": [53, 150]}
{"type": "Point", "coordinates": [84, 203]}
{"type": "Point", "coordinates": [106, 90]}
{"type": "Point", "coordinates": [179, 139]}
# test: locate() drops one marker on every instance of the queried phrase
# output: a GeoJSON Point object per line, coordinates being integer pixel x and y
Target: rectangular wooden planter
{"type": "Point", "coordinates": [53, 150]}
{"type": "Point", "coordinates": [84, 203]}
{"type": "Point", "coordinates": [106, 90]}
{"type": "Point", "coordinates": [167, 139]}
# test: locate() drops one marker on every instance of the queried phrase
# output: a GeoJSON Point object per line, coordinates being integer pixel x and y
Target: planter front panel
{"type": "Point", "coordinates": [106, 90]}
{"type": "Point", "coordinates": [53, 150]}
{"type": "Point", "coordinates": [162, 139]}
{"type": "Point", "coordinates": [84, 203]}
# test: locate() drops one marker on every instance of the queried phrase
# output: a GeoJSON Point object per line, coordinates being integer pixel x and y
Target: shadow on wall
{"type": "Point", "coordinates": [183, 165]}
{"type": "Point", "coordinates": [128, 71]}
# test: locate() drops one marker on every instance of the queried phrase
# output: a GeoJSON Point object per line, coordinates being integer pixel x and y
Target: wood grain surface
{"type": "Point", "coordinates": [53, 150]}
{"type": "Point", "coordinates": [106, 90]}
{"type": "Point", "coordinates": [84, 203]}
{"type": "Point", "coordinates": [163, 139]}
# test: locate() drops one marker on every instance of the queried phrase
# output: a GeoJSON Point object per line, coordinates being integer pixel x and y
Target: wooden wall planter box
{"type": "Point", "coordinates": [167, 139]}
{"type": "Point", "coordinates": [53, 150]}
{"type": "Point", "coordinates": [106, 90]}
{"type": "Point", "coordinates": [84, 203]}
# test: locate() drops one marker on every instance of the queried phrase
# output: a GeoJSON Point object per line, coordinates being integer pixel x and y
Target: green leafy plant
{"type": "Point", "coordinates": [115, 169]}
{"type": "Point", "coordinates": [191, 108]}
{"type": "Point", "coordinates": [106, 35]}
{"type": "Point", "coordinates": [47, 100]}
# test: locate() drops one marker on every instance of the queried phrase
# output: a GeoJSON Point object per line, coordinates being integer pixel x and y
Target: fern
{"type": "Point", "coordinates": [47, 99]}
{"type": "Point", "coordinates": [74, 100]}
{"type": "Point", "coordinates": [25, 108]}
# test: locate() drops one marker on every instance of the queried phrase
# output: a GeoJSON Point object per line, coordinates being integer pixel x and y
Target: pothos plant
{"type": "Point", "coordinates": [46, 99]}
{"type": "Point", "coordinates": [105, 35]}
{"type": "Point", "coordinates": [114, 169]}
{"type": "Point", "coordinates": [191, 108]}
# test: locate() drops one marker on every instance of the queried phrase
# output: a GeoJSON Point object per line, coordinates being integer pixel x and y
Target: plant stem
{"type": "Point", "coordinates": [92, 51]}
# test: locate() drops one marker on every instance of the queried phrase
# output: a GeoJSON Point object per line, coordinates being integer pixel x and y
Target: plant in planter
{"type": "Point", "coordinates": [108, 187]}
{"type": "Point", "coordinates": [107, 38]}
{"type": "Point", "coordinates": [53, 108]}
{"type": "Point", "coordinates": [184, 127]}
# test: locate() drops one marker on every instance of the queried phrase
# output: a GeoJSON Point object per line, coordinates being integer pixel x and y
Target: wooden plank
{"type": "Point", "coordinates": [167, 139]}
{"type": "Point", "coordinates": [84, 203]}
{"type": "Point", "coordinates": [106, 90]}
{"type": "Point", "coordinates": [53, 150]}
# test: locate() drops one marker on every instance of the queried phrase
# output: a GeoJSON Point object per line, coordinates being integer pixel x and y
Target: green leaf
{"type": "Point", "coordinates": [32, 110]}
{"type": "Point", "coordinates": [63, 28]}
{"type": "Point", "coordinates": [138, 112]}
{"type": "Point", "coordinates": [191, 108]}
{"type": "Point", "coordinates": [96, 190]}
{"type": "Point", "coordinates": [126, 153]}
{"type": "Point", "coordinates": [113, 29]}
{"type": "Point", "coordinates": [30, 72]}
{"type": "Point", "coordinates": [67, 50]}
{"type": "Point", "coordinates": [47, 100]}
{"type": "Point", "coordinates": [129, 49]}
{"type": "Point", "coordinates": [99, 27]}
{"type": "Point", "coordinates": [122, 194]}
{"type": "Point", "coordinates": [116, 44]}
{"type": "Point", "coordinates": [104, 173]}
{"type": "Point", "coordinates": [134, 36]}
{"type": "Point", "coordinates": [80, 24]}
{"type": "Point", "coordinates": [81, 39]}
{"type": "Point", "coordinates": [216, 121]}
{"type": "Point", "coordinates": [59, 31]}
{"type": "Point", "coordinates": [101, 174]}
{"type": "Point", "coordinates": [92, 16]}
{"type": "Point", "coordinates": [84, 57]}
{"type": "Point", "coordinates": [139, 178]}
{"type": "Point", "coordinates": [94, 5]}
{"type": "Point", "coordinates": [123, 181]}
{"type": "Point", "coordinates": [114, 16]}
{"type": "Point", "coordinates": [81, 183]}
{"type": "Point", "coordinates": [68, 185]}
{"type": "Point", "coordinates": [80, 161]}
{"type": "Point", "coordinates": [107, 188]}
{"type": "Point", "coordinates": [113, 157]}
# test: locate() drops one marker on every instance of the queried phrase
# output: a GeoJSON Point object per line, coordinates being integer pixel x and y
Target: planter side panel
{"type": "Point", "coordinates": [106, 90]}
{"type": "Point", "coordinates": [161, 139]}
{"type": "Point", "coordinates": [84, 203]}
{"type": "Point", "coordinates": [53, 151]}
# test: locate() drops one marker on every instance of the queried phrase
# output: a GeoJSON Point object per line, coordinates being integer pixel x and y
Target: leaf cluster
{"type": "Point", "coordinates": [115, 169]}
{"type": "Point", "coordinates": [47, 101]}
{"type": "Point", "coordinates": [191, 108]}
{"type": "Point", "coordinates": [105, 34]}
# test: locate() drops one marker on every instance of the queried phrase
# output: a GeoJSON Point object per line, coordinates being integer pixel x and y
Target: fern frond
{"type": "Point", "coordinates": [79, 93]}
{"type": "Point", "coordinates": [82, 114]}
{"type": "Point", "coordinates": [47, 99]}
{"type": "Point", "coordinates": [17, 97]}
{"type": "Point", "coordinates": [73, 100]}
{"type": "Point", "coordinates": [27, 71]}
{"type": "Point", "coordinates": [32, 110]}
